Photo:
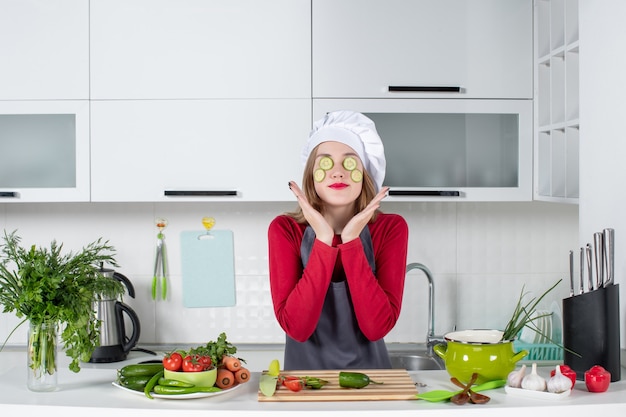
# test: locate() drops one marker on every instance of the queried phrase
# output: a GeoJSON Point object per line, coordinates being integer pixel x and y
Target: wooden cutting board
{"type": "Point", "coordinates": [397, 385]}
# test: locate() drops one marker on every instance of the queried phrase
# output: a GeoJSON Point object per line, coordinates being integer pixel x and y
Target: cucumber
{"type": "Point", "coordinates": [356, 175]}
{"type": "Point", "coordinates": [326, 163]}
{"type": "Point", "coordinates": [350, 163]}
{"type": "Point", "coordinates": [319, 175]}
{"type": "Point", "coordinates": [139, 369]}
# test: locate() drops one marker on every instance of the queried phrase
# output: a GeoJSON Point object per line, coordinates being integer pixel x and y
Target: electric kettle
{"type": "Point", "coordinates": [114, 343]}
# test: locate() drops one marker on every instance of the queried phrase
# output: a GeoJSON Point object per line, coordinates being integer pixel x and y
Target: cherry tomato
{"type": "Point", "coordinates": [294, 385]}
{"type": "Point", "coordinates": [597, 379]}
{"type": "Point", "coordinates": [568, 372]}
{"type": "Point", "coordinates": [173, 361]}
{"type": "Point", "coordinates": [192, 364]}
{"type": "Point", "coordinates": [205, 361]}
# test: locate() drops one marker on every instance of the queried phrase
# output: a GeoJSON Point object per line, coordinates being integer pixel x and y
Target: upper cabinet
{"type": "Point", "coordinates": [197, 49]}
{"type": "Point", "coordinates": [44, 49]}
{"type": "Point", "coordinates": [197, 150]}
{"type": "Point", "coordinates": [556, 101]}
{"type": "Point", "coordinates": [44, 151]}
{"type": "Point", "coordinates": [422, 49]}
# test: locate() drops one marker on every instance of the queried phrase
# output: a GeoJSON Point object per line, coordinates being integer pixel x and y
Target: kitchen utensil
{"type": "Point", "coordinates": [208, 268]}
{"type": "Point", "coordinates": [581, 288]}
{"type": "Point", "coordinates": [474, 396]}
{"type": "Point", "coordinates": [443, 395]}
{"type": "Point", "coordinates": [589, 267]}
{"type": "Point", "coordinates": [160, 262]}
{"type": "Point", "coordinates": [609, 255]}
{"type": "Point", "coordinates": [598, 245]}
{"type": "Point", "coordinates": [463, 396]}
{"type": "Point", "coordinates": [114, 344]}
{"type": "Point", "coordinates": [478, 351]}
{"type": "Point", "coordinates": [571, 273]}
{"type": "Point", "coordinates": [397, 384]}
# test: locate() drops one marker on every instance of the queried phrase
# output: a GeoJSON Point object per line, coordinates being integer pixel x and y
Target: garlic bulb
{"type": "Point", "coordinates": [534, 381]}
{"type": "Point", "coordinates": [514, 380]}
{"type": "Point", "coordinates": [559, 382]}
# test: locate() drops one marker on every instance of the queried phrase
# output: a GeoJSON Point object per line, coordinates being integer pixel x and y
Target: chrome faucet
{"type": "Point", "coordinates": [431, 339]}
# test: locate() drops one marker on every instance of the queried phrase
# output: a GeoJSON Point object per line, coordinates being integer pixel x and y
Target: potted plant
{"type": "Point", "coordinates": [55, 292]}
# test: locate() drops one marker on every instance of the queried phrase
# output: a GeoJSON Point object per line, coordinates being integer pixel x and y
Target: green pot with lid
{"type": "Point", "coordinates": [478, 351]}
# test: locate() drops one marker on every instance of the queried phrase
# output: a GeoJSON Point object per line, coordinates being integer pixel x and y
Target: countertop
{"type": "Point", "coordinates": [90, 392]}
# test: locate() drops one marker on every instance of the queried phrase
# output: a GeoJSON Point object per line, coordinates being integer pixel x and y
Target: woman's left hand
{"type": "Point", "coordinates": [355, 226]}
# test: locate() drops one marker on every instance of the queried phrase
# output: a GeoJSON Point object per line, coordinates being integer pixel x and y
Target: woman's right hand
{"type": "Point", "coordinates": [323, 231]}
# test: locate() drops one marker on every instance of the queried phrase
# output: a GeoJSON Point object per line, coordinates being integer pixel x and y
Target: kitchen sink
{"type": "Point", "coordinates": [415, 361]}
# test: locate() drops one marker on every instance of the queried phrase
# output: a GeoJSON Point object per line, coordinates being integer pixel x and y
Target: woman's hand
{"type": "Point", "coordinates": [355, 226]}
{"type": "Point", "coordinates": [323, 231]}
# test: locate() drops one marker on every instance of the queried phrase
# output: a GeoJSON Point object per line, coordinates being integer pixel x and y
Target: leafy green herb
{"type": "Point", "coordinates": [523, 314]}
{"type": "Point", "coordinates": [216, 349]}
{"type": "Point", "coordinates": [47, 286]}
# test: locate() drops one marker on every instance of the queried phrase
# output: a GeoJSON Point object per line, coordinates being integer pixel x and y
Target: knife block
{"type": "Point", "coordinates": [591, 329]}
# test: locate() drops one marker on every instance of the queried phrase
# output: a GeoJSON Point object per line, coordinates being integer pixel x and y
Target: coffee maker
{"type": "Point", "coordinates": [114, 343]}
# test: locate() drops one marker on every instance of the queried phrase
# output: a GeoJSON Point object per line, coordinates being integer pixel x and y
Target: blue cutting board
{"type": "Point", "coordinates": [208, 268]}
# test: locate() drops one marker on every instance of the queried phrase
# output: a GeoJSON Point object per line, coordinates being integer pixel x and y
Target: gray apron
{"type": "Point", "coordinates": [337, 342]}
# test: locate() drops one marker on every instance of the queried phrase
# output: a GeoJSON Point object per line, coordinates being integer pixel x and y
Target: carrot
{"type": "Point", "coordinates": [225, 378]}
{"type": "Point", "coordinates": [242, 375]}
{"type": "Point", "coordinates": [231, 363]}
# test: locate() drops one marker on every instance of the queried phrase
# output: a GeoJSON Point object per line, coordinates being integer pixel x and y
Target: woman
{"type": "Point", "coordinates": [337, 264]}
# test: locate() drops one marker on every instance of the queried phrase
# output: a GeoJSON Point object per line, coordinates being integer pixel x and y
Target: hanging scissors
{"type": "Point", "coordinates": [160, 262]}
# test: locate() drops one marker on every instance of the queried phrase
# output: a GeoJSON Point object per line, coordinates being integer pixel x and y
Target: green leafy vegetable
{"type": "Point", "coordinates": [44, 285]}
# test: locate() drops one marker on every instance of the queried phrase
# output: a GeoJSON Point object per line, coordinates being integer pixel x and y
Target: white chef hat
{"type": "Point", "coordinates": [358, 132]}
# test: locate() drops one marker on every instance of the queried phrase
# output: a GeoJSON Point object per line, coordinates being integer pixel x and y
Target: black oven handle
{"type": "Point", "coordinates": [424, 89]}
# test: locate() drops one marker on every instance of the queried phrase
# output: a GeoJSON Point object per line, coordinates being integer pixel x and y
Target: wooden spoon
{"type": "Point", "coordinates": [463, 396]}
{"type": "Point", "coordinates": [474, 397]}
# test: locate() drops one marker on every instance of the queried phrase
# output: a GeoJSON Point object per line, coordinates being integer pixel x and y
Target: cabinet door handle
{"type": "Point", "coordinates": [199, 193]}
{"type": "Point", "coordinates": [8, 194]}
{"type": "Point", "coordinates": [425, 88]}
{"type": "Point", "coordinates": [424, 193]}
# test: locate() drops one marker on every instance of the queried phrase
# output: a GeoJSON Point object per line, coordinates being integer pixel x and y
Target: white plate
{"type": "Point", "coordinates": [181, 396]}
{"type": "Point", "coordinates": [541, 395]}
{"type": "Point", "coordinates": [557, 323]}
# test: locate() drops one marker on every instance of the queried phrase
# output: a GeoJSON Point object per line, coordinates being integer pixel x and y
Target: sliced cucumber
{"type": "Point", "coordinates": [326, 163]}
{"type": "Point", "coordinates": [319, 175]}
{"type": "Point", "coordinates": [356, 175]}
{"type": "Point", "coordinates": [350, 163]}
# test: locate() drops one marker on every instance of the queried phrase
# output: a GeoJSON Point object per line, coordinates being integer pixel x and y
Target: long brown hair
{"type": "Point", "coordinates": [368, 191]}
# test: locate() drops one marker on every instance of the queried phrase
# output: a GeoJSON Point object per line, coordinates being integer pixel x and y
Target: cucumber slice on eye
{"type": "Point", "coordinates": [356, 175]}
{"type": "Point", "coordinates": [326, 163]}
{"type": "Point", "coordinates": [349, 163]}
{"type": "Point", "coordinates": [319, 175]}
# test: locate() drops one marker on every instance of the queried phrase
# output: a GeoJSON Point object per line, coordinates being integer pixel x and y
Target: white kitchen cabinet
{"type": "Point", "coordinates": [450, 150]}
{"type": "Point", "coordinates": [557, 101]}
{"type": "Point", "coordinates": [197, 49]}
{"type": "Point", "coordinates": [197, 150]}
{"type": "Point", "coordinates": [44, 151]}
{"type": "Point", "coordinates": [44, 49]}
{"type": "Point", "coordinates": [424, 48]}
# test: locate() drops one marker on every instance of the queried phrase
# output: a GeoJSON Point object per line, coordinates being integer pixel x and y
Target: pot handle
{"type": "Point", "coordinates": [519, 355]}
{"type": "Point", "coordinates": [441, 349]}
{"type": "Point", "coordinates": [120, 309]}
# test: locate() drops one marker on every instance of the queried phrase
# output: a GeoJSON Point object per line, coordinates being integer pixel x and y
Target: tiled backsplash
{"type": "Point", "coordinates": [480, 254]}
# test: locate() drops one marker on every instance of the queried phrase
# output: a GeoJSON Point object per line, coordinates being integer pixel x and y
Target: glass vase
{"type": "Point", "coordinates": [42, 356]}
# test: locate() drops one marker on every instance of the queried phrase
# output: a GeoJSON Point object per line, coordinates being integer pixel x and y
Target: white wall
{"type": "Point", "coordinates": [481, 254]}
{"type": "Point", "coordinates": [602, 140]}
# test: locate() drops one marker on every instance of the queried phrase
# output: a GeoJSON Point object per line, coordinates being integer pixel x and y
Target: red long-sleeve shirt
{"type": "Point", "coordinates": [298, 295]}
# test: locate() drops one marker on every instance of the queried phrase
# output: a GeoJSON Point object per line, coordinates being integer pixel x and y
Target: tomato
{"type": "Point", "coordinates": [192, 364]}
{"type": "Point", "coordinates": [205, 361]}
{"type": "Point", "coordinates": [173, 361]}
{"type": "Point", "coordinates": [597, 379]}
{"type": "Point", "coordinates": [568, 372]}
{"type": "Point", "coordinates": [294, 385]}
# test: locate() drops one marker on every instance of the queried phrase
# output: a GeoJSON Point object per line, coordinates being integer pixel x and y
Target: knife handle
{"type": "Point", "coordinates": [589, 267]}
{"type": "Point", "coordinates": [598, 243]}
{"type": "Point", "coordinates": [609, 255]}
